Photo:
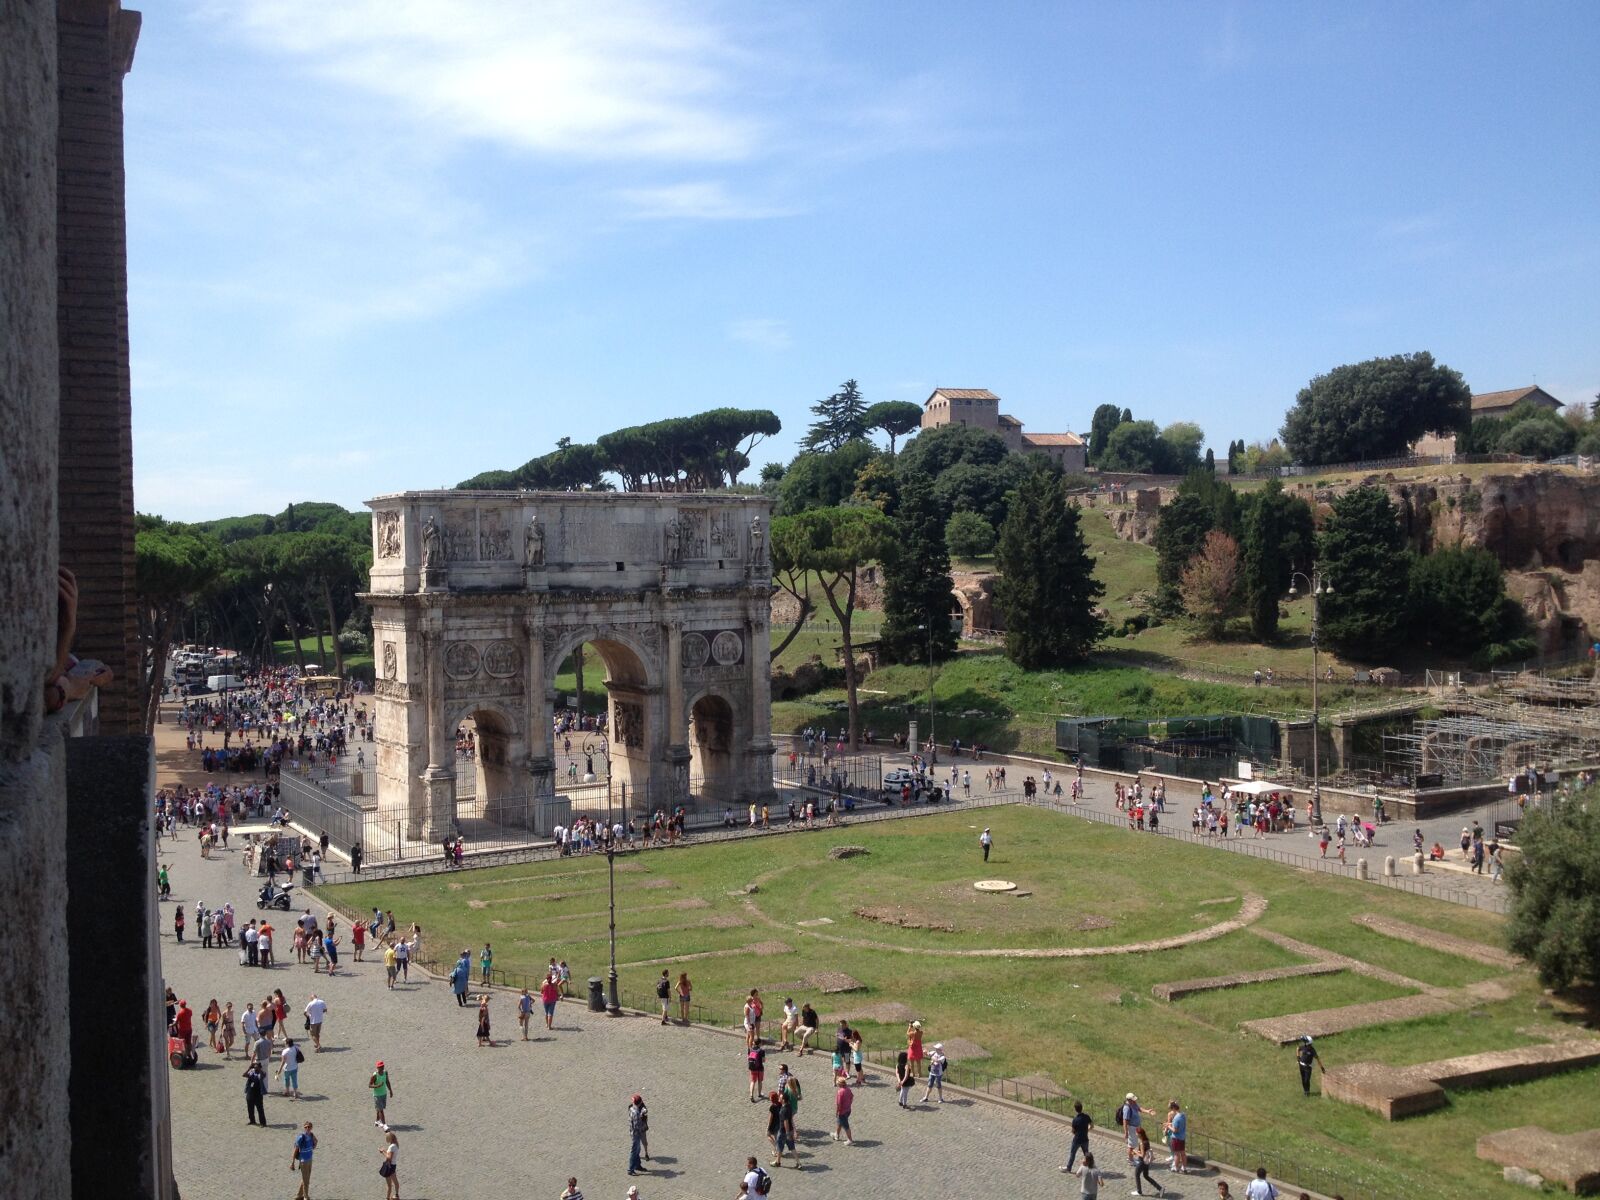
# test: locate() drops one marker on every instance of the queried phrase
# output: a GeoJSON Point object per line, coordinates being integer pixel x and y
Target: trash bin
{"type": "Point", "coordinates": [597, 994]}
{"type": "Point", "coordinates": [306, 874]}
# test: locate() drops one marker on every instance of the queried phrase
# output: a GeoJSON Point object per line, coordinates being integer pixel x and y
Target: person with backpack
{"type": "Point", "coordinates": [1130, 1117]}
{"type": "Point", "coordinates": [937, 1062]}
{"type": "Point", "coordinates": [289, 1061]}
{"type": "Point", "coordinates": [1260, 1188]}
{"type": "Point", "coordinates": [756, 1182]}
{"type": "Point", "coordinates": [305, 1145]}
{"type": "Point", "coordinates": [664, 994]}
{"type": "Point", "coordinates": [756, 1062]}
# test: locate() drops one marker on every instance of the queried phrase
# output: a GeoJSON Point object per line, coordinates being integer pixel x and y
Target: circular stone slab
{"type": "Point", "coordinates": [995, 885]}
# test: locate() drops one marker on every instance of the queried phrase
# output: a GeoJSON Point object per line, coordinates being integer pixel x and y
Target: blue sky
{"type": "Point", "coordinates": [378, 246]}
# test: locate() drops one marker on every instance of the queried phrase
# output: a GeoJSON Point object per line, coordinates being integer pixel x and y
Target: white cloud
{"type": "Point", "coordinates": [700, 200]}
{"type": "Point", "coordinates": [765, 333]}
{"type": "Point", "coordinates": [620, 80]}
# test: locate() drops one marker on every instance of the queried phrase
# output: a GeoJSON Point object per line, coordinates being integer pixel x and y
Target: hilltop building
{"type": "Point", "coordinates": [1484, 404]}
{"type": "Point", "coordinates": [981, 408]}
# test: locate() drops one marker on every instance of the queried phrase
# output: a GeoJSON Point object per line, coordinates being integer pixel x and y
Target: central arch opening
{"type": "Point", "coordinates": [711, 740]}
{"type": "Point", "coordinates": [603, 716]}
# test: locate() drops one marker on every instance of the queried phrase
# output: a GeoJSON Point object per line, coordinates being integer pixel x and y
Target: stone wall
{"type": "Point", "coordinates": [35, 1140]}
{"type": "Point", "coordinates": [96, 452]}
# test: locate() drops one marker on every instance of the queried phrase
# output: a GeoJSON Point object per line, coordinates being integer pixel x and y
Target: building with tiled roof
{"type": "Point", "coordinates": [1498, 404]}
{"type": "Point", "coordinates": [981, 407]}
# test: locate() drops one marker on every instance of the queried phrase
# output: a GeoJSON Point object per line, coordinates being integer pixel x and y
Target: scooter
{"type": "Point", "coordinates": [273, 896]}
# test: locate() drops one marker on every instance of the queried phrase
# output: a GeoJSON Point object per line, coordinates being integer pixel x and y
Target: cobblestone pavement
{"type": "Point", "coordinates": [519, 1117]}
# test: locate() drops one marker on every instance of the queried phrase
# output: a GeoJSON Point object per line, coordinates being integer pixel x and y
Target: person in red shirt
{"type": "Point", "coordinates": [183, 1024]}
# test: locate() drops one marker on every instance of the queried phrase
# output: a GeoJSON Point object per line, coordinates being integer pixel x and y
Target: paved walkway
{"type": "Point", "coordinates": [518, 1118]}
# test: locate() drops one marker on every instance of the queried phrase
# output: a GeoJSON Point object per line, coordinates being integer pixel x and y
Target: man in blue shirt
{"type": "Point", "coordinates": [305, 1143]}
{"type": "Point", "coordinates": [1177, 1131]}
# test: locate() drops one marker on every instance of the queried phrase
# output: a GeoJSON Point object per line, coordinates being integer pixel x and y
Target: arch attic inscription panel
{"type": "Point", "coordinates": [478, 597]}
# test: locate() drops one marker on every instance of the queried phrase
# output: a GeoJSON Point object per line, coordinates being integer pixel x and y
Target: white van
{"type": "Point", "coordinates": [216, 683]}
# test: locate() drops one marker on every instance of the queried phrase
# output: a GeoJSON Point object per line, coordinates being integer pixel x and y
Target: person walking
{"type": "Point", "coordinates": [638, 1123]}
{"type": "Point", "coordinates": [358, 939]}
{"type": "Point", "coordinates": [178, 923]}
{"type": "Point", "coordinates": [389, 1167]}
{"type": "Point", "coordinates": [391, 965]}
{"type": "Point", "coordinates": [664, 994]}
{"type": "Point", "coordinates": [460, 977]}
{"type": "Point", "coordinates": [485, 964]}
{"type": "Point", "coordinates": [403, 950]}
{"type": "Point", "coordinates": [571, 1192]}
{"type": "Point", "coordinates": [1088, 1178]}
{"type": "Point", "coordinates": [524, 1011]}
{"type": "Point", "coordinates": [381, 1084]}
{"type": "Point", "coordinates": [1141, 1165]}
{"type": "Point", "coordinates": [549, 993]}
{"type": "Point", "coordinates": [1082, 1123]}
{"type": "Point", "coordinates": [255, 1093]}
{"type": "Point", "coordinates": [756, 1062]}
{"type": "Point", "coordinates": [227, 1025]}
{"type": "Point", "coordinates": [1306, 1054]}
{"type": "Point", "coordinates": [775, 1126]}
{"type": "Point", "coordinates": [316, 1011]}
{"type": "Point", "coordinates": [844, 1100]}
{"type": "Point", "coordinates": [986, 840]}
{"type": "Point", "coordinates": [330, 948]}
{"type": "Point", "coordinates": [305, 1145]}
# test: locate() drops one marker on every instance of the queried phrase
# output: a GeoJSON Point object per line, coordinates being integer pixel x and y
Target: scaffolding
{"type": "Point", "coordinates": [1493, 737]}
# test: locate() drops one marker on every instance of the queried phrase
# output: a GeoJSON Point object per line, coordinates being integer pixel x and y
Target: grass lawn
{"type": "Point", "coordinates": [1089, 1022]}
{"type": "Point", "coordinates": [284, 649]}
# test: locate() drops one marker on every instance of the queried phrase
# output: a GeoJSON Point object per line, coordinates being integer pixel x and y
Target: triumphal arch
{"type": "Point", "coordinates": [478, 597]}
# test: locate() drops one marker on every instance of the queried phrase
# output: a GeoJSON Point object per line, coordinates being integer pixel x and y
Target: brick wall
{"type": "Point", "coordinates": [95, 41]}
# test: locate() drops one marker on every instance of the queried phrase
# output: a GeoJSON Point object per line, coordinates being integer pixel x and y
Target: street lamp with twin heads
{"type": "Point", "coordinates": [1319, 587]}
{"type": "Point", "coordinates": [933, 745]}
{"type": "Point", "coordinates": [598, 743]}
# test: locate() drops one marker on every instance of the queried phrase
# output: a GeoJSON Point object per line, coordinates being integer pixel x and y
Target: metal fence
{"type": "Point", "coordinates": [1256, 848]}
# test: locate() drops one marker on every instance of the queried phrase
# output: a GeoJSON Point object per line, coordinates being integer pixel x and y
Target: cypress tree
{"type": "Point", "coordinates": [917, 586]}
{"type": "Point", "coordinates": [1265, 561]}
{"type": "Point", "coordinates": [1047, 588]}
{"type": "Point", "coordinates": [1362, 552]}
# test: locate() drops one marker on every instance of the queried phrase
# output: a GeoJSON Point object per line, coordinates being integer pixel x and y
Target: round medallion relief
{"type": "Point", "coordinates": [502, 659]}
{"type": "Point", "coordinates": [696, 650]}
{"type": "Point", "coordinates": [391, 661]}
{"type": "Point", "coordinates": [461, 660]}
{"type": "Point", "coordinates": [728, 648]}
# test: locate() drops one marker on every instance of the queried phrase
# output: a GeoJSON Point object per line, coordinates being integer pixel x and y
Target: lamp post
{"type": "Point", "coordinates": [1318, 587]}
{"type": "Point", "coordinates": [933, 744]}
{"type": "Point", "coordinates": [597, 743]}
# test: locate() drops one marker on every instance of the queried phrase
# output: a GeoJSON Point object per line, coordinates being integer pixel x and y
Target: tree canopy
{"type": "Point", "coordinates": [835, 544]}
{"type": "Point", "coordinates": [1362, 553]}
{"type": "Point", "coordinates": [1375, 409]}
{"type": "Point", "coordinates": [173, 564]}
{"type": "Point", "coordinates": [1460, 606]}
{"type": "Point", "coordinates": [824, 479]}
{"type": "Point", "coordinates": [841, 419]}
{"type": "Point", "coordinates": [918, 592]}
{"type": "Point", "coordinates": [1047, 590]}
{"type": "Point", "coordinates": [1555, 889]}
{"type": "Point", "coordinates": [894, 418]}
{"type": "Point", "coordinates": [1106, 418]}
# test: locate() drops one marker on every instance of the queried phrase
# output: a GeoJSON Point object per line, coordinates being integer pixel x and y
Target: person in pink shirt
{"type": "Point", "coordinates": [843, 1101]}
